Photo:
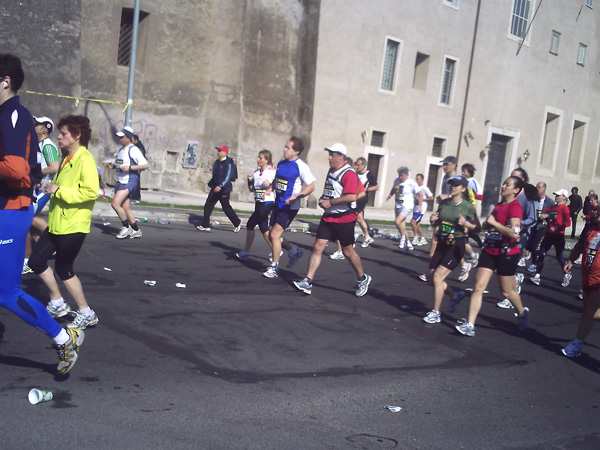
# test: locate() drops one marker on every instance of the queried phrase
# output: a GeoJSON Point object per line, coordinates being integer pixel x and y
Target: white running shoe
{"type": "Point", "coordinates": [368, 241]}
{"type": "Point", "coordinates": [124, 232]}
{"type": "Point", "coordinates": [566, 279]}
{"type": "Point", "coordinates": [505, 304]}
{"type": "Point", "coordinates": [415, 240]}
{"type": "Point", "coordinates": [433, 317]}
{"type": "Point", "coordinates": [520, 277]}
{"type": "Point", "coordinates": [464, 272]}
{"type": "Point", "coordinates": [337, 256]}
{"type": "Point", "coordinates": [422, 241]}
{"type": "Point", "coordinates": [536, 279]}
{"type": "Point", "coordinates": [201, 228]}
{"type": "Point", "coordinates": [134, 234]}
{"type": "Point", "coordinates": [271, 272]}
{"type": "Point", "coordinates": [522, 262]}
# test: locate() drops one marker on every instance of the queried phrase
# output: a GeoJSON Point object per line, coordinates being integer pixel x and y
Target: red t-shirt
{"type": "Point", "coordinates": [590, 265]}
{"type": "Point", "coordinates": [351, 186]}
{"type": "Point", "coordinates": [559, 218]}
{"type": "Point", "coordinates": [503, 213]}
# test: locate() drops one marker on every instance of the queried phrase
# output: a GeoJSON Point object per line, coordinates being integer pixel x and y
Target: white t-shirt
{"type": "Point", "coordinates": [123, 160]}
{"type": "Point", "coordinates": [426, 194]}
{"type": "Point", "coordinates": [260, 176]}
{"type": "Point", "coordinates": [406, 192]}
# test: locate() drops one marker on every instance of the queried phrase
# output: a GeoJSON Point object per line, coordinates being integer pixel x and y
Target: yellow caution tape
{"type": "Point", "coordinates": [78, 99]}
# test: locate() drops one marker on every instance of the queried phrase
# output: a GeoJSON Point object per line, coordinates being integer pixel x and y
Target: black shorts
{"type": "Point", "coordinates": [361, 204]}
{"type": "Point", "coordinates": [343, 232]}
{"type": "Point", "coordinates": [447, 256]}
{"type": "Point", "coordinates": [283, 217]}
{"type": "Point", "coordinates": [504, 265]}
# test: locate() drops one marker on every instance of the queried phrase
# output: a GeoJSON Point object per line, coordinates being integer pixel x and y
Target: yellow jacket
{"type": "Point", "coordinates": [71, 205]}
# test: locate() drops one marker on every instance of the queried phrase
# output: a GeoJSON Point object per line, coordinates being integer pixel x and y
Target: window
{"type": "Point", "coordinates": [550, 140]}
{"type": "Point", "coordinates": [389, 64]}
{"type": "Point", "coordinates": [438, 147]}
{"type": "Point", "coordinates": [589, 3]}
{"type": "Point", "coordinates": [520, 18]}
{"type": "Point", "coordinates": [577, 141]}
{"type": "Point", "coordinates": [581, 54]}
{"type": "Point", "coordinates": [554, 42]}
{"type": "Point", "coordinates": [451, 3]}
{"type": "Point", "coordinates": [447, 81]}
{"type": "Point", "coordinates": [377, 138]}
{"type": "Point", "coordinates": [421, 69]}
{"type": "Point", "coordinates": [126, 36]}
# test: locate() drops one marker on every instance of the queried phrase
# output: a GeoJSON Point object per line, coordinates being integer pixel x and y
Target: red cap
{"type": "Point", "coordinates": [223, 148]}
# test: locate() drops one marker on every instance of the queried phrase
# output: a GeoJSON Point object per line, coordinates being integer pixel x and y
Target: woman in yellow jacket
{"type": "Point", "coordinates": [74, 191]}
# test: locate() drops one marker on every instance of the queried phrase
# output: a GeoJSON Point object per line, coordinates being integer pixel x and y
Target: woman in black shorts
{"type": "Point", "coordinates": [451, 219]}
{"type": "Point", "coordinates": [500, 254]}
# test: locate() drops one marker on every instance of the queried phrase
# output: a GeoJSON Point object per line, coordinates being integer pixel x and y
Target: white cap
{"type": "Point", "coordinates": [338, 148]}
{"type": "Point", "coordinates": [47, 121]}
{"type": "Point", "coordinates": [562, 192]}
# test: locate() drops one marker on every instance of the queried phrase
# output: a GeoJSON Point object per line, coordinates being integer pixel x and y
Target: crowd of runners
{"type": "Point", "coordinates": [523, 226]}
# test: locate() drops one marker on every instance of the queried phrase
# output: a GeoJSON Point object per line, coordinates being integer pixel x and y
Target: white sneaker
{"type": "Point", "coordinates": [577, 261]}
{"type": "Point", "coordinates": [505, 304]}
{"type": "Point", "coordinates": [368, 241]}
{"type": "Point", "coordinates": [238, 228]}
{"type": "Point", "coordinates": [271, 272]}
{"type": "Point", "coordinates": [134, 234]}
{"type": "Point", "coordinates": [422, 241]}
{"type": "Point", "coordinates": [402, 244]}
{"type": "Point", "coordinates": [338, 256]}
{"type": "Point", "coordinates": [520, 277]}
{"type": "Point", "coordinates": [201, 228]}
{"type": "Point", "coordinates": [522, 262]}
{"type": "Point", "coordinates": [124, 232]}
{"type": "Point", "coordinates": [464, 272]}
{"type": "Point", "coordinates": [433, 317]}
{"type": "Point", "coordinates": [566, 279]}
{"type": "Point", "coordinates": [536, 279]}
{"type": "Point", "coordinates": [415, 240]}
{"type": "Point", "coordinates": [474, 261]}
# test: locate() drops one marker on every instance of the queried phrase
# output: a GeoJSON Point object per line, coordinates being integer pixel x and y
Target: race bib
{"type": "Point", "coordinates": [281, 185]}
{"type": "Point", "coordinates": [328, 191]}
{"type": "Point", "coordinates": [400, 198]}
{"type": "Point", "coordinates": [258, 194]}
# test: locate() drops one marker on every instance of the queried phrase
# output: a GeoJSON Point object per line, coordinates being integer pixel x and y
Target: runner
{"type": "Point", "coordinates": [369, 183]}
{"type": "Point", "coordinates": [292, 173]}
{"type": "Point", "coordinates": [18, 150]}
{"type": "Point", "coordinates": [419, 238]}
{"type": "Point", "coordinates": [407, 192]}
{"type": "Point", "coordinates": [558, 219]}
{"type": "Point", "coordinates": [588, 246]}
{"type": "Point", "coordinates": [129, 163]}
{"type": "Point", "coordinates": [259, 182]}
{"type": "Point", "coordinates": [451, 219]}
{"type": "Point", "coordinates": [74, 191]}
{"type": "Point", "coordinates": [500, 255]}
{"type": "Point", "coordinates": [339, 218]}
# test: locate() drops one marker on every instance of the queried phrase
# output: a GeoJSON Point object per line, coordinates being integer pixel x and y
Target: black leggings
{"type": "Point", "coordinates": [211, 201]}
{"type": "Point", "coordinates": [556, 240]}
{"type": "Point", "coordinates": [66, 246]}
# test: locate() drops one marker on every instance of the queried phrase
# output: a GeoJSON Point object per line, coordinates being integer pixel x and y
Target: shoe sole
{"type": "Point", "coordinates": [570, 356]}
{"type": "Point", "coordinates": [464, 333]}
{"type": "Point", "coordinates": [202, 229]}
{"type": "Point", "coordinates": [431, 322]}
{"type": "Point", "coordinates": [504, 306]}
{"type": "Point", "coordinates": [245, 258]}
{"type": "Point", "coordinates": [78, 343]}
{"type": "Point", "coordinates": [270, 276]}
{"type": "Point", "coordinates": [91, 323]}
{"type": "Point", "coordinates": [300, 288]}
{"type": "Point", "coordinates": [137, 236]}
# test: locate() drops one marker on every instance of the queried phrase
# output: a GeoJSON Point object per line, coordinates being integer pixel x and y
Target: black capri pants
{"type": "Point", "coordinates": [260, 216]}
{"type": "Point", "coordinates": [66, 246]}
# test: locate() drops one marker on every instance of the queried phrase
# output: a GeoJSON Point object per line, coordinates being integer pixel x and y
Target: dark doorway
{"type": "Point", "coordinates": [432, 180]}
{"type": "Point", "coordinates": [373, 167]}
{"type": "Point", "coordinates": [494, 172]}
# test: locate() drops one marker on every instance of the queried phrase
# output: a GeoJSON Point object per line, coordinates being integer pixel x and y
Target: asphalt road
{"type": "Point", "coordinates": [236, 360]}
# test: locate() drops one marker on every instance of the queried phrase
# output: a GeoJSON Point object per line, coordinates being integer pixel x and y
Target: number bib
{"type": "Point", "coordinates": [258, 194]}
{"type": "Point", "coordinates": [281, 185]}
{"type": "Point", "coordinates": [328, 190]}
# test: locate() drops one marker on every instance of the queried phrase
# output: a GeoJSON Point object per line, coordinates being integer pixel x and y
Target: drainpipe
{"type": "Point", "coordinates": [131, 82]}
{"type": "Point", "coordinates": [464, 112]}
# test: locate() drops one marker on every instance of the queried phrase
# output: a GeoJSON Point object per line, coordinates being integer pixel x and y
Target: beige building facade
{"type": "Point", "coordinates": [401, 82]}
{"type": "Point", "coordinates": [499, 84]}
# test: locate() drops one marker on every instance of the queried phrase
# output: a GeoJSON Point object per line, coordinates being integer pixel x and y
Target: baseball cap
{"type": "Point", "coordinates": [449, 159]}
{"type": "Point", "coordinates": [458, 180]}
{"type": "Point", "coordinates": [126, 131]}
{"type": "Point", "coordinates": [338, 148]}
{"type": "Point", "coordinates": [223, 148]}
{"type": "Point", "coordinates": [562, 192]}
{"type": "Point", "coordinates": [47, 121]}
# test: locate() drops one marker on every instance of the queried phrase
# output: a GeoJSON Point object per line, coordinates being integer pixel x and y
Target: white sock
{"type": "Point", "coordinates": [57, 302]}
{"type": "Point", "coordinates": [87, 311]}
{"type": "Point", "coordinates": [62, 337]}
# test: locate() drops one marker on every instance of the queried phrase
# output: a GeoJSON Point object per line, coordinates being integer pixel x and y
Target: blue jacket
{"type": "Point", "coordinates": [221, 175]}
